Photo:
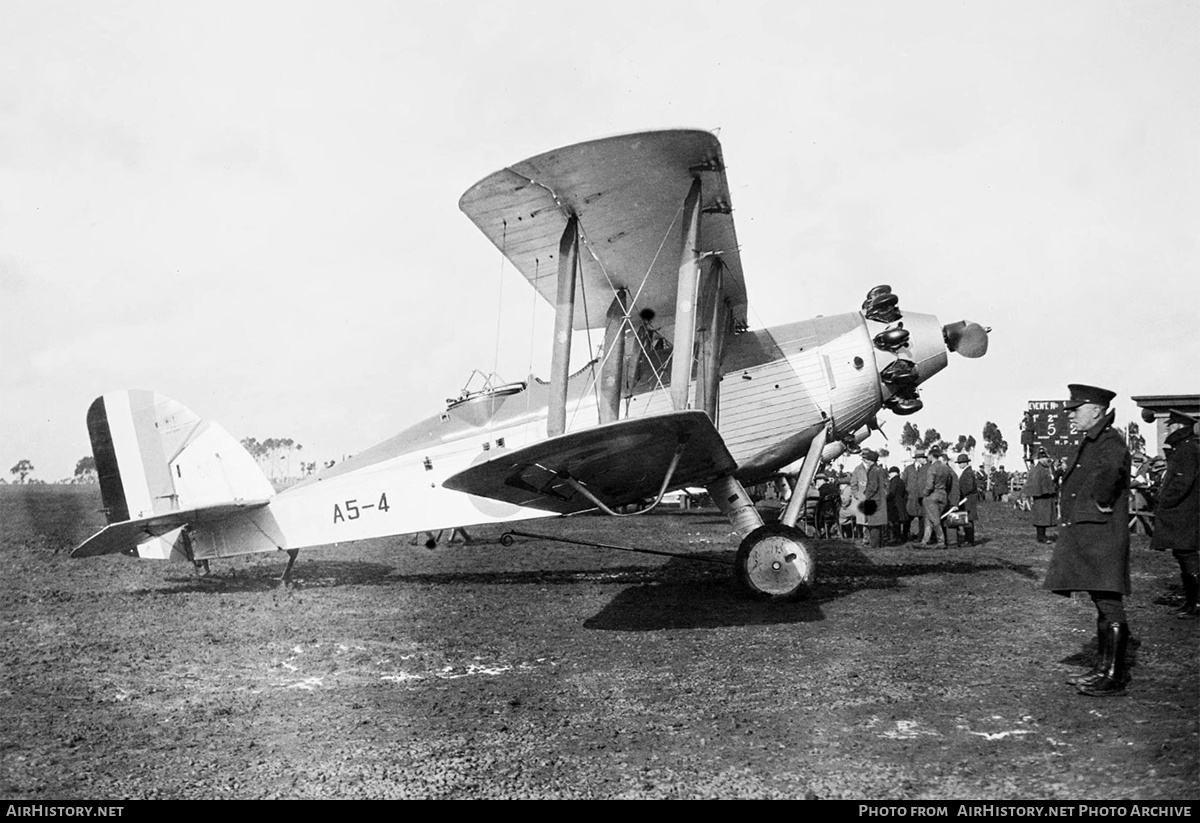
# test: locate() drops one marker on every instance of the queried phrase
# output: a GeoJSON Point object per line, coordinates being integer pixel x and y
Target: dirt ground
{"type": "Point", "coordinates": [545, 670]}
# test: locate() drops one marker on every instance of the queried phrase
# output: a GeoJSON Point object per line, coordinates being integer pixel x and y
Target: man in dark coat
{"type": "Point", "coordinates": [897, 506]}
{"type": "Point", "coordinates": [914, 482]}
{"type": "Point", "coordinates": [1000, 484]}
{"type": "Point", "coordinates": [967, 500]}
{"type": "Point", "coordinates": [1092, 552]}
{"type": "Point", "coordinates": [1041, 490]}
{"type": "Point", "coordinates": [828, 503]}
{"type": "Point", "coordinates": [1177, 518]}
{"type": "Point", "coordinates": [981, 481]}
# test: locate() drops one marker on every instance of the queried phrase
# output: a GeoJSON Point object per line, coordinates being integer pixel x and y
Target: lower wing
{"type": "Point", "coordinates": [607, 466]}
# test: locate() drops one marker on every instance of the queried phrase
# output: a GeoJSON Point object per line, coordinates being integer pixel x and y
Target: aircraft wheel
{"type": "Point", "coordinates": [506, 539]}
{"type": "Point", "coordinates": [773, 564]}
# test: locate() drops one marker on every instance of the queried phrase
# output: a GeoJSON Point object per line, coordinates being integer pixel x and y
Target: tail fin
{"type": "Point", "coordinates": [155, 456]}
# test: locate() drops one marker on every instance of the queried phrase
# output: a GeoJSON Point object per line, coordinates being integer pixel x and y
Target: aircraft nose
{"type": "Point", "coordinates": [967, 338]}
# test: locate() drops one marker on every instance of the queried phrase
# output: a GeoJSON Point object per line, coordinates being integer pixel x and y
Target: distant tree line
{"type": "Point", "coordinates": [994, 443]}
{"type": "Point", "coordinates": [275, 457]}
{"type": "Point", "coordinates": [21, 470]}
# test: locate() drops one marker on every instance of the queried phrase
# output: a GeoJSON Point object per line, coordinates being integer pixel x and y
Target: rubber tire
{"type": "Point", "coordinates": [763, 569]}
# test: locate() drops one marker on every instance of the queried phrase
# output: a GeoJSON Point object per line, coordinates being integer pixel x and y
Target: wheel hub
{"type": "Point", "coordinates": [772, 562]}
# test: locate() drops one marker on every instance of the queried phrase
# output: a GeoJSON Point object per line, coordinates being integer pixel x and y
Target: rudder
{"type": "Point", "coordinates": [155, 456]}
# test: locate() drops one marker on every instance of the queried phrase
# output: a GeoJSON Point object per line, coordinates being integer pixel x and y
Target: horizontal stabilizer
{"type": "Point", "coordinates": [125, 536]}
{"type": "Point", "coordinates": [619, 463]}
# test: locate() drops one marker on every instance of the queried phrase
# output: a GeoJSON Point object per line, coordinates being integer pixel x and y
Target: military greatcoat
{"type": "Point", "coordinates": [1177, 517]}
{"type": "Point", "coordinates": [1092, 551]}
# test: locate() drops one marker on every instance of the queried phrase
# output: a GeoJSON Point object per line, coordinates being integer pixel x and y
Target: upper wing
{"type": "Point", "coordinates": [628, 194]}
{"type": "Point", "coordinates": [618, 463]}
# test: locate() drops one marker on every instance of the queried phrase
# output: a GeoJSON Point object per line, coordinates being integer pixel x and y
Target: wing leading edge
{"type": "Point", "coordinates": [619, 463]}
{"type": "Point", "coordinates": [628, 194]}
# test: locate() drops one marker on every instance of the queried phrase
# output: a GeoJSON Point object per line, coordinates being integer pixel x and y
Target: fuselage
{"type": "Point", "coordinates": [779, 387]}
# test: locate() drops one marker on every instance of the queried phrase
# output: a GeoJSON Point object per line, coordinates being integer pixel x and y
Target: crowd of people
{"type": "Point", "coordinates": [926, 502]}
{"type": "Point", "coordinates": [906, 505]}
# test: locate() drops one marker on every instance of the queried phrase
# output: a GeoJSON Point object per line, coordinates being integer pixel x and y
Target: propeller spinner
{"type": "Point", "coordinates": [967, 338]}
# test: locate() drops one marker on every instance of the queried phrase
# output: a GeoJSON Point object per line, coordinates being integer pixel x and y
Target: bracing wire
{"type": "Point", "coordinates": [627, 308]}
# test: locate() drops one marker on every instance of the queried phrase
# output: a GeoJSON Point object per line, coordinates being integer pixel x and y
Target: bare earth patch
{"type": "Point", "coordinates": [543, 670]}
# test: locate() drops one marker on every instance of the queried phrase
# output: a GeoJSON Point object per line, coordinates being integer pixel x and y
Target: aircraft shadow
{"type": "Point", "coordinates": [264, 578]}
{"type": "Point", "coordinates": [315, 574]}
{"type": "Point", "coordinates": [695, 590]}
{"type": "Point", "coordinates": [842, 569]}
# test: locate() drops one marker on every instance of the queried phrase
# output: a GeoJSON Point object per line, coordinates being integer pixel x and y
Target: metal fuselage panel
{"type": "Point", "coordinates": [779, 387]}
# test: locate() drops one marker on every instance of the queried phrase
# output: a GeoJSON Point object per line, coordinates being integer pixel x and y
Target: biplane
{"type": "Point", "coordinates": [632, 235]}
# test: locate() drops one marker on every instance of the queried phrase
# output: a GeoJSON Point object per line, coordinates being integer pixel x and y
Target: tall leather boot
{"type": "Point", "coordinates": [1112, 681]}
{"type": "Point", "coordinates": [1191, 589]}
{"type": "Point", "coordinates": [1041, 534]}
{"type": "Point", "coordinates": [970, 534]}
{"type": "Point", "coordinates": [1097, 669]}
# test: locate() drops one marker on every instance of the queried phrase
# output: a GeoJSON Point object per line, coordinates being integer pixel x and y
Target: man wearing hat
{"type": "Point", "coordinates": [858, 494]}
{"type": "Point", "coordinates": [874, 499]}
{"type": "Point", "coordinates": [828, 503]}
{"type": "Point", "coordinates": [914, 483]}
{"type": "Point", "coordinates": [1040, 489]}
{"type": "Point", "coordinates": [936, 495]}
{"type": "Point", "coordinates": [968, 499]}
{"type": "Point", "coordinates": [1092, 551]}
{"type": "Point", "coordinates": [1177, 518]}
{"type": "Point", "coordinates": [1000, 484]}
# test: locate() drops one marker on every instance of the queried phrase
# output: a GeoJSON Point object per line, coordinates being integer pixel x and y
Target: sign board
{"type": "Point", "coordinates": [1047, 426]}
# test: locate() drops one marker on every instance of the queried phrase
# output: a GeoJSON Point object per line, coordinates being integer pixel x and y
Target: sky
{"type": "Point", "coordinates": [251, 206]}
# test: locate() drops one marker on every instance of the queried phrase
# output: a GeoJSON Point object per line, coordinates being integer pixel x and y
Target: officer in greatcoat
{"type": "Point", "coordinates": [1041, 490]}
{"type": "Point", "coordinates": [1177, 517]}
{"type": "Point", "coordinates": [1092, 551]}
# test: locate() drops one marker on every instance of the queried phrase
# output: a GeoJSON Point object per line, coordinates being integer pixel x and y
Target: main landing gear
{"type": "Point", "coordinates": [773, 564]}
